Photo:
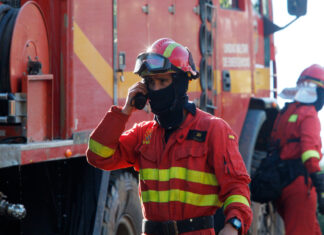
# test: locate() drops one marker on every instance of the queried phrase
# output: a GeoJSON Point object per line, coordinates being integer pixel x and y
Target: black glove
{"type": "Point", "coordinates": [318, 182]}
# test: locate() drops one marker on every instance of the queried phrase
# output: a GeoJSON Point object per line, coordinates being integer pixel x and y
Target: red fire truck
{"type": "Point", "coordinates": [64, 63]}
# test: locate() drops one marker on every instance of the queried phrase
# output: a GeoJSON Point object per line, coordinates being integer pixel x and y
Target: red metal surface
{"type": "Point", "coordinates": [258, 38]}
{"type": "Point", "coordinates": [51, 153]}
{"type": "Point", "coordinates": [29, 40]}
{"type": "Point", "coordinates": [185, 27]}
{"type": "Point", "coordinates": [235, 27]}
{"type": "Point", "coordinates": [57, 21]}
{"type": "Point", "coordinates": [67, 109]}
{"type": "Point", "coordinates": [234, 110]}
{"type": "Point", "coordinates": [132, 21]}
{"type": "Point", "coordinates": [161, 26]}
{"type": "Point", "coordinates": [10, 131]}
{"type": "Point", "coordinates": [272, 47]}
{"type": "Point", "coordinates": [39, 90]}
{"type": "Point", "coordinates": [88, 100]}
{"type": "Point", "coordinates": [80, 100]}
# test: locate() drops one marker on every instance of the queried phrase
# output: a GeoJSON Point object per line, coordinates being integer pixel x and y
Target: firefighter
{"type": "Point", "coordinates": [188, 161]}
{"type": "Point", "coordinates": [297, 133]}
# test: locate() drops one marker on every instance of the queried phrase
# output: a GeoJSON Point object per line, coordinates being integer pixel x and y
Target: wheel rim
{"type": "Point", "coordinates": [125, 226]}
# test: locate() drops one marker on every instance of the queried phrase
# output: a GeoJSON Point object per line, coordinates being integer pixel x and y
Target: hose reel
{"type": "Point", "coordinates": [23, 51]}
{"type": "Point", "coordinates": [8, 17]}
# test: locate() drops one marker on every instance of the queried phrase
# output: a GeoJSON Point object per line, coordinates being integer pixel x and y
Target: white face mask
{"type": "Point", "coordinates": [306, 95]}
{"type": "Point", "coordinates": [303, 93]}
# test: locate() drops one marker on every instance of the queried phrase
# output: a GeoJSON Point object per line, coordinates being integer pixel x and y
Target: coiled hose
{"type": "Point", "coordinates": [8, 17]}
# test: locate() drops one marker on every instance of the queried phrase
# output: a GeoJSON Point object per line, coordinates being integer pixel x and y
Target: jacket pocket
{"type": "Point", "coordinates": [234, 164]}
{"type": "Point", "coordinates": [189, 151]}
{"type": "Point", "coordinates": [148, 153]}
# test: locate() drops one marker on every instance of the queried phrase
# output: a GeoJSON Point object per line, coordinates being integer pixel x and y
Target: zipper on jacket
{"type": "Point", "coordinates": [226, 166]}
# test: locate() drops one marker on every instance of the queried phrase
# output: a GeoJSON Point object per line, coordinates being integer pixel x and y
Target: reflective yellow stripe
{"type": "Point", "coordinates": [293, 118]}
{"type": "Point", "coordinates": [319, 83]}
{"type": "Point", "coordinates": [99, 149]}
{"type": "Point", "coordinates": [178, 173]}
{"type": "Point", "coordinates": [231, 137]}
{"type": "Point", "coordinates": [309, 154]}
{"type": "Point", "coordinates": [168, 51]}
{"type": "Point", "coordinates": [177, 195]}
{"type": "Point", "coordinates": [236, 198]}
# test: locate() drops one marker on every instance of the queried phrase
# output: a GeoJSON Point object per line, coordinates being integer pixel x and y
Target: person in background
{"type": "Point", "coordinates": [188, 160]}
{"type": "Point", "coordinates": [296, 133]}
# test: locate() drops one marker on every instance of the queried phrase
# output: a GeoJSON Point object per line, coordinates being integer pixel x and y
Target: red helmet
{"type": "Point", "coordinates": [166, 55]}
{"type": "Point", "coordinates": [313, 74]}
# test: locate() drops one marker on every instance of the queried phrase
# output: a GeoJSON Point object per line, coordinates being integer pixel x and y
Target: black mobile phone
{"type": "Point", "coordinates": [139, 101]}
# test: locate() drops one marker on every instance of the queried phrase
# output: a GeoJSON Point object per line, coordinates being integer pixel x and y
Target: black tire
{"type": "Point", "coordinates": [122, 214]}
{"type": "Point", "coordinates": [13, 3]}
{"type": "Point", "coordinates": [258, 156]}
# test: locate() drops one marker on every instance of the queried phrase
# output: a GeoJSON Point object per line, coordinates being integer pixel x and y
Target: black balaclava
{"type": "Point", "coordinates": [168, 103]}
{"type": "Point", "coordinates": [320, 99]}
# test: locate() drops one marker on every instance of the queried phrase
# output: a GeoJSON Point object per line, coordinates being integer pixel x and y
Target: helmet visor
{"type": "Point", "coordinates": [152, 63]}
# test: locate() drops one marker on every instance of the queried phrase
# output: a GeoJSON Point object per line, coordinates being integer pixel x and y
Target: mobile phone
{"type": "Point", "coordinates": [139, 101]}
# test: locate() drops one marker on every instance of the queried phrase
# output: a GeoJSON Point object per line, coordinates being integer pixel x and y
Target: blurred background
{"type": "Point", "coordinates": [299, 45]}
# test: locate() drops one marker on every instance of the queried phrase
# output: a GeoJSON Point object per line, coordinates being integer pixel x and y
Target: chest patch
{"type": "Point", "coordinates": [147, 136]}
{"type": "Point", "coordinates": [196, 135]}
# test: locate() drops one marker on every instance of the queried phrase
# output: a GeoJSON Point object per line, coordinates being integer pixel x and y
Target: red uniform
{"type": "Point", "coordinates": [297, 128]}
{"type": "Point", "coordinates": [196, 172]}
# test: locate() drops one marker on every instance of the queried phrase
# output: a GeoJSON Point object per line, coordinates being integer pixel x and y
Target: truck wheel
{"type": "Point", "coordinates": [266, 221]}
{"type": "Point", "coordinates": [122, 214]}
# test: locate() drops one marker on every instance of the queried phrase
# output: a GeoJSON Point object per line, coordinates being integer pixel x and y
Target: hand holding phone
{"type": "Point", "coordinates": [136, 98]}
{"type": "Point", "coordinates": [139, 101]}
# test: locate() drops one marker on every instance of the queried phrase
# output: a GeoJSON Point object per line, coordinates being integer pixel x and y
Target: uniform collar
{"type": "Point", "coordinates": [182, 131]}
{"type": "Point", "coordinates": [190, 107]}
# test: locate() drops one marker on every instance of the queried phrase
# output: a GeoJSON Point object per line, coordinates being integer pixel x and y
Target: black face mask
{"type": "Point", "coordinates": [168, 103]}
{"type": "Point", "coordinates": [320, 99]}
{"type": "Point", "coordinates": [161, 100]}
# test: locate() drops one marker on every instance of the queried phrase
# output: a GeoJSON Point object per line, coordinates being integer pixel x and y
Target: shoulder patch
{"type": "Point", "coordinates": [293, 118]}
{"type": "Point", "coordinates": [232, 137]}
{"type": "Point", "coordinates": [196, 135]}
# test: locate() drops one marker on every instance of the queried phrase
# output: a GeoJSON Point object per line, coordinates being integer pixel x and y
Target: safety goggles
{"type": "Point", "coordinates": [147, 63]}
{"type": "Point", "coordinates": [311, 81]}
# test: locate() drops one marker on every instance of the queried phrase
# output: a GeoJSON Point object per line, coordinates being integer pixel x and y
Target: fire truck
{"type": "Point", "coordinates": [63, 63]}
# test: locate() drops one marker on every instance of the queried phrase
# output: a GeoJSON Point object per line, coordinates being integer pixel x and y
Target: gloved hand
{"type": "Point", "coordinates": [318, 182]}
